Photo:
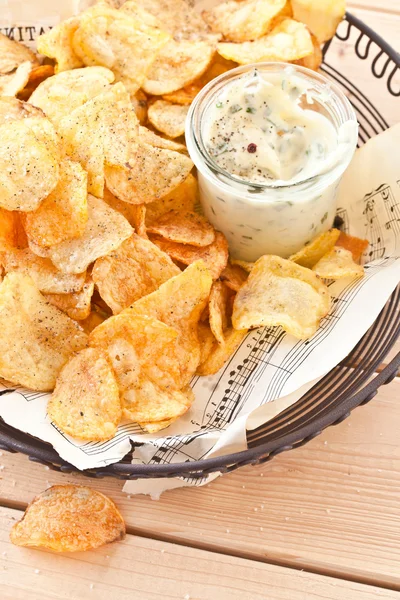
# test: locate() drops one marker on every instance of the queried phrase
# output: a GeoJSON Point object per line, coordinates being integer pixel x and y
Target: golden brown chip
{"type": "Point", "coordinates": [147, 401]}
{"type": "Point", "coordinates": [338, 263]}
{"type": "Point", "coordinates": [206, 340]}
{"type": "Point", "coordinates": [243, 21]}
{"type": "Point", "coordinates": [36, 77]}
{"type": "Point", "coordinates": [183, 198]}
{"type": "Point", "coordinates": [288, 41]}
{"type": "Point", "coordinates": [215, 256]}
{"type": "Point", "coordinates": [356, 245]}
{"type": "Point", "coordinates": [151, 138]}
{"type": "Point", "coordinates": [315, 250]}
{"type": "Point", "coordinates": [12, 233]}
{"type": "Point", "coordinates": [139, 219]}
{"type": "Point", "coordinates": [179, 303]}
{"type": "Point", "coordinates": [151, 173]}
{"type": "Point", "coordinates": [177, 65]}
{"type": "Point", "coordinates": [85, 403]}
{"type": "Point", "coordinates": [220, 354]}
{"type": "Point", "coordinates": [168, 118]}
{"type": "Point", "coordinates": [12, 83]}
{"type": "Point", "coordinates": [178, 18]}
{"type": "Point", "coordinates": [57, 44]}
{"type": "Point", "coordinates": [13, 54]}
{"type": "Point", "coordinates": [63, 214]}
{"type": "Point", "coordinates": [45, 275]}
{"type": "Point", "coordinates": [99, 133]}
{"type": "Point", "coordinates": [133, 270]}
{"type": "Point", "coordinates": [246, 266]}
{"type": "Point", "coordinates": [321, 16]}
{"type": "Point", "coordinates": [94, 319]}
{"type": "Point", "coordinates": [139, 103]}
{"type": "Point", "coordinates": [105, 230]}
{"type": "Point", "coordinates": [184, 227]}
{"type": "Point", "coordinates": [12, 109]}
{"type": "Point", "coordinates": [119, 41]}
{"type": "Point", "coordinates": [280, 292]}
{"type": "Point", "coordinates": [29, 159]}
{"type": "Point", "coordinates": [312, 61]}
{"type": "Point", "coordinates": [234, 276]}
{"type": "Point", "coordinates": [218, 310]}
{"type": "Point", "coordinates": [59, 95]}
{"type": "Point", "coordinates": [155, 427]}
{"type": "Point", "coordinates": [36, 339]}
{"type": "Point", "coordinates": [76, 305]}
{"type": "Point", "coordinates": [69, 518]}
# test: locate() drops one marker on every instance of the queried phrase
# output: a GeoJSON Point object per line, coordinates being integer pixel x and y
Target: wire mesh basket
{"type": "Point", "coordinates": [349, 384]}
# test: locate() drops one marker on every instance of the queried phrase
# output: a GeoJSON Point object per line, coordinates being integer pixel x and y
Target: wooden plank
{"type": "Point", "coordinates": [331, 507]}
{"type": "Point", "coordinates": [147, 569]}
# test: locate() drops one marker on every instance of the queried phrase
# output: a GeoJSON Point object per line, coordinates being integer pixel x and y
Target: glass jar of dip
{"type": "Point", "coordinates": [270, 142]}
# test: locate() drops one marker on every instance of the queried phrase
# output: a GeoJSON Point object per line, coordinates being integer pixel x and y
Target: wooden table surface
{"type": "Point", "coordinates": [320, 522]}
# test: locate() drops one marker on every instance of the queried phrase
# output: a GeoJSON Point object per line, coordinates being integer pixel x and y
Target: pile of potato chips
{"type": "Point", "coordinates": [116, 292]}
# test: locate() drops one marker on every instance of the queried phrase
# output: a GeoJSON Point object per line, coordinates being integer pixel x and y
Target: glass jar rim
{"type": "Point", "coordinates": [346, 114]}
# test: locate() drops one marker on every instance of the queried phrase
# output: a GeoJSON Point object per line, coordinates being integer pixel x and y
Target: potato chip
{"type": "Point", "coordinates": [146, 401]}
{"type": "Point", "coordinates": [168, 118]}
{"type": "Point", "coordinates": [36, 77]}
{"type": "Point", "coordinates": [139, 103]}
{"type": "Point", "coordinates": [215, 256]}
{"type": "Point", "coordinates": [76, 305]}
{"type": "Point", "coordinates": [151, 138]}
{"type": "Point", "coordinates": [220, 354]}
{"type": "Point", "coordinates": [94, 319]}
{"type": "Point", "coordinates": [29, 159]}
{"type": "Point", "coordinates": [105, 231]}
{"type": "Point", "coordinates": [356, 245]}
{"type": "Point", "coordinates": [338, 263]}
{"type": "Point", "coordinates": [134, 8]}
{"type": "Point", "coordinates": [99, 132]}
{"type": "Point", "coordinates": [312, 61]}
{"type": "Point", "coordinates": [63, 214]}
{"type": "Point", "coordinates": [12, 109]}
{"type": "Point", "coordinates": [119, 41]}
{"type": "Point", "coordinates": [288, 41]}
{"type": "Point", "coordinates": [57, 44]}
{"type": "Point", "coordinates": [243, 21]}
{"type": "Point", "coordinates": [218, 310]}
{"type": "Point", "coordinates": [246, 266]}
{"type": "Point", "coordinates": [155, 427]}
{"type": "Point", "coordinates": [280, 292]}
{"type": "Point", "coordinates": [316, 249]}
{"type": "Point", "coordinates": [85, 403]}
{"type": "Point", "coordinates": [59, 95]}
{"type": "Point", "coordinates": [12, 83]}
{"type": "Point", "coordinates": [13, 54]}
{"type": "Point", "coordinates": [183, 199]}
{"type": "Point", "coordinates": [150, 173]}
{"type": "Point", "coordinates": [133, 270]}
{"type": "Point", "coordinates": [177, 65]}
{"type": "Point", "coordinates": [206, 340]}
{"type": "Point", "coordinates": [36, 339]}
{"type": "Point", "coordinates": [187, 94]}
{"type": "Point", "coordinates": [179, 303]}
{"type": "Point", "coordinates": [184, 227]}
{"type": "Point", "coordinates": [321, 16]}
{"type": "Point", "coordinates": [139, 219]}
{"type": "Point", "coordinates": [12, 234]}
{"type": "Point", "coordinates": [69, 518]}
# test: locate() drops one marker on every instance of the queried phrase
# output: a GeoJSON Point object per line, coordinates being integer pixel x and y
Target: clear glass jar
{"type": "Point", "coordinates": [259, 218]}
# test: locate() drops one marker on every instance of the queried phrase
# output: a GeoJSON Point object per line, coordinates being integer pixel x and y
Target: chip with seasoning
{"type": "Point", "coordinates": [321, 16]}
{"type": "Point", "coordinates": [357, 246]}
{"type": "Point", "coordinates": [168, 118]}
{"type": "Point", "coordinates": [338, 263]}
{"type": "Point", "coordinates": [220, 353]}
{"type": "Point", "coordinates": [77, 305]}
{"type": "Point", "coordinates": [57, 44]}
{"type": "Point", "coordinates": [234, 276]}
{"type": "Point", "coordinates": [182, 199]}
{"type": "Point", "coordinates": [184, 227]}
{"type": "Point", "coordinates": [69, 518]}
{"type": "Point", "coordinates": [316, 249]}
{"type": "Point", "coordinates": [218, 308]}
{"type": "Point", "coordinates": [279, 292]}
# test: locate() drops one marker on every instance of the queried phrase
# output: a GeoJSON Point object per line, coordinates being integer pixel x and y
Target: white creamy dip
{"type": "Point", "coordinates": [274, 150]}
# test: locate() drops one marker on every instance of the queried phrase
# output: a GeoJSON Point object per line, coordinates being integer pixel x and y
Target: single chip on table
{"type": "Point", "coordinates": [214, 256]}
{"type": "Point", "coordinates": [177, 65]}
{"type": "Point", "coordinates": [99, 133]}
{"type": "Point", "coordinates": [243, 21]}
{"type": "Point", "coordinates": [63, 214]}
{"type": "Point", "coordinates": [312, 61]}
{"type": "Point", "coordinates": [45, 275]}
{"type": "Point", "coordinates": [12, 109]}
{"type": "Point", "coordinates": [152, 139]}
{"type": "Point", "coordinates": [288, 41]}
{"type": "Point", "coordinates": [119, 41]}
{"type": "Point", "coordinates": [221, 353]}
{"type": "Point", "coordinates": [182, 199]}
{"type": "Point", "coordinates": [218, 307]}
{"type": "Point", "coordinates": [280, 292]}
{"type": "Point", "coordinates": [184, 227]}
{"type": "Point", "coordinates": [338, 263]}
{"type": "Point", "coordinates": [13, 83]}
{"type": "Point", "coordinates": [59, 95]}
{"type": "Point", "coordinates": [29, 157]}
{"type": "Point", "coordinates": [85, 403]}
{"type": "Point", "coordinates": [36, 339]}
{"type": "Point", "coordinates": [57, 44]}
{"type": "Point", "coordinates": [356, 245]}
{"type": "Point", "coordinates": [321, 16]}
{"type": "Point", "coordinates": [179, 302]}
{"type": "Point", "coordinates": [69, 518]}
{"type": "Point", "coordinates": [316, 249]}
{"type": "Point", "coordinates": [105, 230]}
{"type": "Point", "coordinates": [168, 118]}
{"type": "Point", "coordinates": [133, 270]}
{"type": "Point", "coordinates": [76, 305]}
{"type": "Point", "coordinates": [150, 173]}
